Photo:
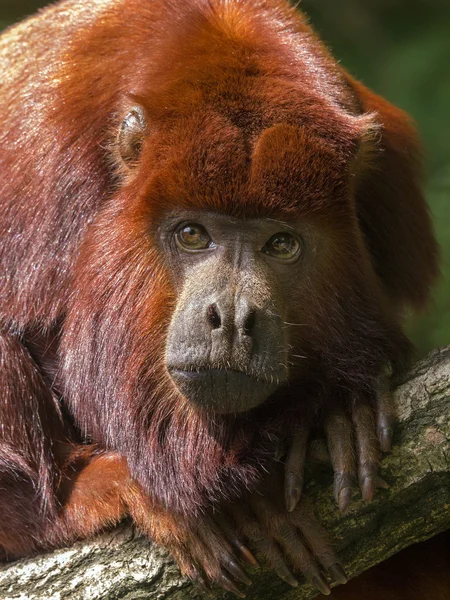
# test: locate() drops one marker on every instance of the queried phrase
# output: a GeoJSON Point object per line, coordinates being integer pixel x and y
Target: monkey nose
{"type": "Point", "coordinates": [240, 317]}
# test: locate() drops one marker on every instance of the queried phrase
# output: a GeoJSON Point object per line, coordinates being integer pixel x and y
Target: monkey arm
{"type": "Point", "coordinates": [96, 492]}
{"type": "Point", "coordinates": [410, 511]}
{"type": "Point", "coordinates": [54, 491]}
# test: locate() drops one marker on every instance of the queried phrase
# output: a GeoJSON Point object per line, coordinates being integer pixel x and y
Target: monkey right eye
{"type": "Point", "coordinates": [131, 136]}
{"type": "Point", "coordinates": [193, 237]}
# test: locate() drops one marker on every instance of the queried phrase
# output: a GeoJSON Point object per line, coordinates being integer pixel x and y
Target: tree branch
{"type": "Point", "coordinates": [119, 565]}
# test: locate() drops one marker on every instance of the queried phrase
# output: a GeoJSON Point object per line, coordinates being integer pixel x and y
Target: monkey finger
{"type": "Point", "coordinates": [386, 416]}
{"type": "Point", "coordinates": [229, 562]}
{"type": "Point", "coordinates": [264, 546]}
{"type": "Point", "coordinates": [280, 529]}
{"type": "Point", "coordinates": [234, 569]}
{"type": "Point", "coordinates": [338, 430]}
{"type": "Point", "coordinates": [295, 465]}
{"type": "Point", "coordinates": [230, 567]}
{"type": "Point", "coordinates": [201, 582]}
{"type": "Point", "coordinates": [300, 556]}
{"type": "Point", "coordinates": [367, 448]}
{"type": "Point", "coordinates": [228, 585]}
{"type": "Point", "coordinates": [206, 558]}
{"type": "Point", "coordinates": [217, 546]}
{"type": "Point", "coordinates": [190, 567]}
{"type": "Point", "coordinates": [210, 563]}
{"type": "Point", "coordinates": [235, 540]}
{"type": "Point", "coordinates": [224, 579]}
{"type": "Point", "coordinates": [317, 539]}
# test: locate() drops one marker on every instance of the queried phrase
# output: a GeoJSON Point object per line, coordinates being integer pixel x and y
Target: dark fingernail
{"type": "Point", "coordinates": [238, 573]}
{"type": "Point", "coordinates": [368, 489]}
{"type": "Point", "coordinates": [248, 556]}
{"type": "Point", "coordinates": [345, 496]}
{"type": "Point", "coordinates": [228, 585]}
{"type": "Point", "coordinates": [386, 439]}
{"type": "Point", "coordinates": [293, 492]}
{"type": "Point", "coordinates": [337, 573]}
{"type": "Point", "coordinates": [321, 585]}
{"type": "Point", "coordinates": [284, 574]}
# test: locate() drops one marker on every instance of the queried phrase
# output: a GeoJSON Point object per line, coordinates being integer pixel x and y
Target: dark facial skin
{"type": "Point", "coordinates": [227, 347]}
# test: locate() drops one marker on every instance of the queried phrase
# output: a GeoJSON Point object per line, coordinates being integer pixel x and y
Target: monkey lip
{"type": "Point", "coordinates": [222, 390]}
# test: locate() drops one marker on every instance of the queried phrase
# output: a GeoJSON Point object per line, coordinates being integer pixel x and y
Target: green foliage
{"type": "Point", "coordinates": [401, 49]}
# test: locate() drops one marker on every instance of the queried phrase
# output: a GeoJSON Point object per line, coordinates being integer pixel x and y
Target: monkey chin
{"type": "Point", "coordinates": [221, 391]}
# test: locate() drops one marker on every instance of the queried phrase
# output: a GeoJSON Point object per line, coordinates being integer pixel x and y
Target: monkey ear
{"type": "Point", "coordinates": [131, 136]}
{"type": "Point", "coordinates": [390, 206]}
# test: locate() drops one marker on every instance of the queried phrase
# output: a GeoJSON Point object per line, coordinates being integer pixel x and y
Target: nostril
{"type": "Point", "coordinates": [213, 316]}
{"type": "Point", "coordinates": [249, 323]}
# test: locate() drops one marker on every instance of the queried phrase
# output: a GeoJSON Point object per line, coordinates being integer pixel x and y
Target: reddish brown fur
{"type": "Point", "coordinates": [249, 116]}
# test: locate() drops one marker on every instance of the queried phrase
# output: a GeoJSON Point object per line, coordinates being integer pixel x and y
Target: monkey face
{"type": "Point", "coordinates": [241, 266]}
{"type": "Point", "coordinates": [227, 347]}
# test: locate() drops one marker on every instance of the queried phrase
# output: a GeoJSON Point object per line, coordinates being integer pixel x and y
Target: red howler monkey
{"type": "Point", "coordinates": [209, 232]}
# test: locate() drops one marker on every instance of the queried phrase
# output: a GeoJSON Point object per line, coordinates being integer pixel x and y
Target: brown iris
{"type": "Point", "coordinates": [283, 246]}
{"type": "Point", "coordinates": [194, 237]}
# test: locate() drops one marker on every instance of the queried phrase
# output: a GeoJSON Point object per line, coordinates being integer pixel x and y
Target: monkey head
{"type": "Point", "coordinates": [240, 273]}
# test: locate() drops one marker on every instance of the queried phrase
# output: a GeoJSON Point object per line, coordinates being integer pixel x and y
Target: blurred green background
{"type": "Point", "coordinates": [401, 49]}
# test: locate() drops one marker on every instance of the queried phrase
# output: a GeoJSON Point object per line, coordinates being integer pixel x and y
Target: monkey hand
{"type": "Point", "coordinates": [287, 542]}
{"type": "Point", "coordinates": [214, 550]}
{"type": "Point", "coordinates": [357, 428]}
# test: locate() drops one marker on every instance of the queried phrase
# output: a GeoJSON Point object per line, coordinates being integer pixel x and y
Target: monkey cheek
{"type": "Point", "coordinates": [221, 391]}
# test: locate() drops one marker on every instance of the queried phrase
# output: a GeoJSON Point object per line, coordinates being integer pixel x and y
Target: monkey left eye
{"type": "Point", "coordinates": [194, 237]}
{"type": "Point", "coordinates": [283, 246]}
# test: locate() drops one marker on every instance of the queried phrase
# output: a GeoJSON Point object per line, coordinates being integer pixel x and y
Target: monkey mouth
{"type": "Point", "coordinates": [223, 391]}
{"type": "Point", "coordinates": [192, 370]}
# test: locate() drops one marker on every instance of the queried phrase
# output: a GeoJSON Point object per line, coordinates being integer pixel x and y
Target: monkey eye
{"type": "Point", "coordinates": [131, 136]}
{"type": "Point", "coordinates": [283, 246]}
{"type": "Point", "coordinates": [193, 237]}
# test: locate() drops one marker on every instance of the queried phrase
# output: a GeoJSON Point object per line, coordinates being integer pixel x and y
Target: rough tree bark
{"type": "Point", "coordinates": [119, 565]}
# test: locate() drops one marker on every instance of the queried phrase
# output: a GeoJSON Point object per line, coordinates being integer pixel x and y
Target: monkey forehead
{"type": "Point", "coordinates": [211, 164]}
